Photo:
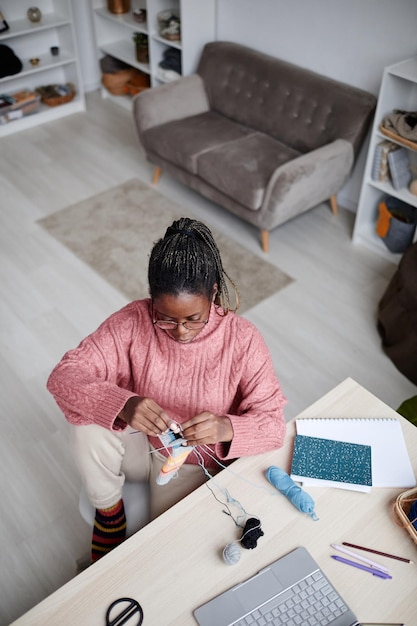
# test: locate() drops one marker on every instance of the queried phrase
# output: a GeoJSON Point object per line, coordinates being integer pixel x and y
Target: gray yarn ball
{"type": "Point", "coordinates": [231, 553]}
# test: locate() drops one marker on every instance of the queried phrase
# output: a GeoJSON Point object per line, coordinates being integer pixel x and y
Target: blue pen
{"type": "Point", "coordinates": [371, 570]}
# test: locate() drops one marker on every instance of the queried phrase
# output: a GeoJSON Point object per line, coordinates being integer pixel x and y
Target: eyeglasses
{"type": "Point", "coordinates": [171, 325]}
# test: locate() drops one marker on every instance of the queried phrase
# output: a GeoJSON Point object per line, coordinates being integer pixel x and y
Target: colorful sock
{"type": "Point", "coordinates": [109, 530]}
{"type": "Point", "coordinates": [171, 466]}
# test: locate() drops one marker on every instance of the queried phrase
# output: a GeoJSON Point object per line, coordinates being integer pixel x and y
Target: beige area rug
{"type": "Point", "coordinates": [114, 233]}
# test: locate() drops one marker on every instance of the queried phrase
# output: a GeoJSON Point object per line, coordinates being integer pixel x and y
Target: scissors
{"type": "Point", "coordinates": [132, 609]}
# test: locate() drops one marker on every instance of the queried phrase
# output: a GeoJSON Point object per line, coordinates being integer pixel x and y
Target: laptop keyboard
{"type": "Point", "coordinates": [311, 602]}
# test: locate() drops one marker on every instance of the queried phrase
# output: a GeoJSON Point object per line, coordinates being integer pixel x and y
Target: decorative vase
{"type": "Point", "coordinates": [34, 14]}
{"type": "Point", "coordinates": [118, 6]}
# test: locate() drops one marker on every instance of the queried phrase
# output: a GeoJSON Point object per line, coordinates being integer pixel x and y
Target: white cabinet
{"type": "Point", "coordinates": [28, 40]}
{"type": "Point", "coordinates": [114, 35]}
{"type": "Point", "coordinates": [398, 91]}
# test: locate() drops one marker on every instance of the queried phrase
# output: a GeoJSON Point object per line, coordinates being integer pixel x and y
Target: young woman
{"type": "Point", "coordinates": [180, 360]}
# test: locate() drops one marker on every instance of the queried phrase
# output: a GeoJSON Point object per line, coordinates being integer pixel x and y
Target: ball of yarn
{"type": "Point", "coordinates": [231, 553]}
{"type": "Point", "coordinates": [251, 533]}
{"type": "Point", "coordinates": [284, 483]}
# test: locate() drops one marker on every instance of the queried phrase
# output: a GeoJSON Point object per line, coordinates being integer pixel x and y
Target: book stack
{"type": "Point", "coordinates": [391, 164]}
{"type": "Point", "coordinates": [399, 167]}
{"type": "Point", "coordinates": [380, 167]}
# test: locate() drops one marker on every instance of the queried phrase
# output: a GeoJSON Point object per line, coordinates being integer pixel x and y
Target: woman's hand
{"type": "Point", "coordinates": [207, 428]}
{"type": "Point", "coordinates": [146, 415]}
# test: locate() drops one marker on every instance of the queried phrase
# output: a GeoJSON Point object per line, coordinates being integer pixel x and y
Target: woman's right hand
{"type": "Point", "coordinates": [145, 415]}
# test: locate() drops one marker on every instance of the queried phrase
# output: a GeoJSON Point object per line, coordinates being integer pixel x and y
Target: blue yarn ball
{"type": "Point", "coordinates": [231, 553]}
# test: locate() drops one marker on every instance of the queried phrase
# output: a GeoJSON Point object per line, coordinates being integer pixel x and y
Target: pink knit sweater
{"type": "Point", "coordinates": [226, 369]}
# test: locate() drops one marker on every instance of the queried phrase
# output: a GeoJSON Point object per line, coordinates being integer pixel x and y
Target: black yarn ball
{"type": "Point", "coordinates": [251, 533]}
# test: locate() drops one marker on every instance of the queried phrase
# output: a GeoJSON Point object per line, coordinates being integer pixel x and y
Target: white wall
{"type": "Point", "coordinates": [348, 40]}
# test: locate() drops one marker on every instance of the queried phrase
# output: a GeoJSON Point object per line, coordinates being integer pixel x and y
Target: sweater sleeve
{"type": "Point", "coordinates": [258, 421]}
{"type": "Point", "coordinates": [91, 382]}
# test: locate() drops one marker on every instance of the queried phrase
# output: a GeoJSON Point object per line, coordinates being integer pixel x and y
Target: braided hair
{"type": "Point", "coordinates": [188, 260]}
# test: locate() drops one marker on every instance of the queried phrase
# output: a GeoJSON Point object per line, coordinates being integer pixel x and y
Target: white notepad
{"type": "Point", "coordinates": [391, 465]}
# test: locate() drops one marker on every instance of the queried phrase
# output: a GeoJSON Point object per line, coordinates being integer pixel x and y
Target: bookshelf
{"type": "Point", "coordinates": [398, 91]}
{"type": "Point", "coordinates": [114, 35]}
{"type": "Point", "coordinates": [27, 40]}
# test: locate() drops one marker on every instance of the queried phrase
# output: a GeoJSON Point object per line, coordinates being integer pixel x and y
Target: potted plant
{"type": "Point", "coordinates": [142, 50]}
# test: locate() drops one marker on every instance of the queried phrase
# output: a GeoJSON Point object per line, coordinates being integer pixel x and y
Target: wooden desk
{"type": "Point", "coordinates": [175, 563]}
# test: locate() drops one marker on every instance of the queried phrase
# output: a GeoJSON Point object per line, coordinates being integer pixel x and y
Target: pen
{"type": "Point", "coordinates": [360, 558]}
{"type": "Point", "coordinates": [391, 556]}
{"type": "Point", "coordinates": [371, 570]}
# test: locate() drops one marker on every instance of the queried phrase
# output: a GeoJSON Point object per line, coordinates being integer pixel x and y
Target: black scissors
{"type": "Point", "coordinates": [131, 609]}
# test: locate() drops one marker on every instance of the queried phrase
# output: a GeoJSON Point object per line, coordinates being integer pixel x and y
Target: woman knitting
{"type": "Point", "coordinates": [182, 360]}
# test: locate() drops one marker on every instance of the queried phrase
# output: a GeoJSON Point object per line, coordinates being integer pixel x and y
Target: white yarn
{"type": "Point", "coordinates": [231, 553]}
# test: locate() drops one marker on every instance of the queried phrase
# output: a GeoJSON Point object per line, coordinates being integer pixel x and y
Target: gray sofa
{"type": "Point", "coordinates": [263, 138]}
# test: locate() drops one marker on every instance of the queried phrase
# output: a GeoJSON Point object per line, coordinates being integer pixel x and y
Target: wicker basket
{"type": "Point", "coordinates": [117, 81]}
{"type": "Point", "coordinates": [52, 95]}
{"type": "Point", "coordinates": [402, 507]}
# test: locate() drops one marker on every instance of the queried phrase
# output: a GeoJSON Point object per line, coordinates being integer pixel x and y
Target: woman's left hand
{"type": "Point", "coordinates": [207, 427]}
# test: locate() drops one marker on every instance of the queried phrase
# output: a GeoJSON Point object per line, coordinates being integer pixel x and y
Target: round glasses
{"type": "Point", "coordinates": [171, 325]}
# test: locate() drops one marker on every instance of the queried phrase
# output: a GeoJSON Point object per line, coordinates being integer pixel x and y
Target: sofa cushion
{"type": "Point", "coordinates": [182, 141]}
{"type": "Point", "coordinates": [242, 168]}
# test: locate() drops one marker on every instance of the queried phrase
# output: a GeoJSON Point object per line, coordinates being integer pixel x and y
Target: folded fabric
{"type": "Point", "coordinates": [403, 123]}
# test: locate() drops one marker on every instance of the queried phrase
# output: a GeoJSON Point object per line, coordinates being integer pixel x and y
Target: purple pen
{"type": "Point", "coordinates": [371, 570]}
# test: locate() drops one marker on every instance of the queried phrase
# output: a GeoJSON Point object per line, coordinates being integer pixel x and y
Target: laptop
{"type": "Point", "coordinates": [292, 590]}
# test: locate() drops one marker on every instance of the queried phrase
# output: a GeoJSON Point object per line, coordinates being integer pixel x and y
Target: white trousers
{"type": "Point", "coordinates": [105, 459]}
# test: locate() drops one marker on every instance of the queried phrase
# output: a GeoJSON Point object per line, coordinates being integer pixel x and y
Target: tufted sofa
{"type": "Point", "coordinates": [263, 138]}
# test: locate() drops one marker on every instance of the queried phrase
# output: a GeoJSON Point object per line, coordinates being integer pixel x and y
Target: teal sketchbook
{"type": "Point", "coordinates": [336, 463]}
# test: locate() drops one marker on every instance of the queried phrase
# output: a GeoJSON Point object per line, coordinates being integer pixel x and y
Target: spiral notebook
{"type": "Point", "coordinates": [390, 462]}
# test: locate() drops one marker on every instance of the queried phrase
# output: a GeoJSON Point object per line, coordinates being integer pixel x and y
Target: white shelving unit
{"type": "Point", "coordinates": [28, 40]}
{"type": "Point", "coordinates": [114, 35]}
{"type": "Point", "coordinates": [398, 91]}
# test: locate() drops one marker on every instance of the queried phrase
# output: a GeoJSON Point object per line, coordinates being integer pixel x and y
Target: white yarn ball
{"type": "Point", "coordinates": [231, 553]}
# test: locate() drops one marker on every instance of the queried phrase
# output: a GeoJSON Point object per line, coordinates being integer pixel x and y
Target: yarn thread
{"type": "Point", "coordinates": [284, 483]}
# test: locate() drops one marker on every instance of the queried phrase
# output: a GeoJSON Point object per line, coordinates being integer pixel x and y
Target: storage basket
{"type": "Point", "coordinates": [402, 507]}
{"type": "Point", "coordinates": [117, 81]}
{"type": "Point", "coordinates": [55, 95]}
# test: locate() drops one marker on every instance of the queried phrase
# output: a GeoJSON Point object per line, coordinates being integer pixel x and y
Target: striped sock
{"type": "Point", "coordinates": [109, 530]}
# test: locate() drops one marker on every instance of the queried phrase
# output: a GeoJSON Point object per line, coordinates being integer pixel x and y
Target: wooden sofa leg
{"type": "Point", "coordinates": [156, 175]}
{"type": "Point", "coordinates": [333, 204]}
{"type": "Point", "coordinates": [265, 240]}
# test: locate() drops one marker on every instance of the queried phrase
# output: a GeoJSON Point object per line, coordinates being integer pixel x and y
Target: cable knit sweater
{"type": "Point", "coordinates": [226, 369]}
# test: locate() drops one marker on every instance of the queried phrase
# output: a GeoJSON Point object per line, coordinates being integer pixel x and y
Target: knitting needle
{"type": "Point", "coordinates": [390, 556]}
{"type": "Point", "coordinates": [360, 558]}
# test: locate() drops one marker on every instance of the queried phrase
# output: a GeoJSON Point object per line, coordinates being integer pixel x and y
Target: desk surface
{"type": "Point", "coordinates": [175, 563]}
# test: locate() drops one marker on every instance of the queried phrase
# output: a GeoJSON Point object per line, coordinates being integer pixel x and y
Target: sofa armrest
{"type": "Point", "coordinates": [173, 101]}
{"type": "Point", "coordinates": [306, 181]}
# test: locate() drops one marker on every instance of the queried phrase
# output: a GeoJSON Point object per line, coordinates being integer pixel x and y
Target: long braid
{"type": "Point", "coordinates": [187, 259]}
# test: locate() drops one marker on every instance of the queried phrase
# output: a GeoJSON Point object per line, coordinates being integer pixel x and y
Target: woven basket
{"type": "Point", "coordinates": [402, 507]}
{"type": "Point", "coordinates": [51, 97]}
{"type": "Point", "coordinates": [116, 81]}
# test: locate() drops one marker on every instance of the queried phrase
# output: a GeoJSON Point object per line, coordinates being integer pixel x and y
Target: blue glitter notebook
{"type": "Point", "coordinates": [332, 463]}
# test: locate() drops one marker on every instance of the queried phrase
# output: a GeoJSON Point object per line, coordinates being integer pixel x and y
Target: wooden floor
{"type": "Point", "coordinates": [320, 329]}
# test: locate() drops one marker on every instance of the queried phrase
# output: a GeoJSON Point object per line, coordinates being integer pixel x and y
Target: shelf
{"type": "Point", "coordinates": [27, 40]}
{"type": "Point", "coordinates": [125, 19]}
{"type": "Point", "coordinates": [398, 91]}
{"type": "Point", "coordinates": [23, 27]}
{"type": "Point", "coordinates": [114, 33]}
{"type": "Point", "coordinates": [45, 114]}
{"type": "Point", "coordinates": [125, 51]}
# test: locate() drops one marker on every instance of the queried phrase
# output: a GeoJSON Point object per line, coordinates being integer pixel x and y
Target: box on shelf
{"type": "Point", "coordinates": [16, 105]}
